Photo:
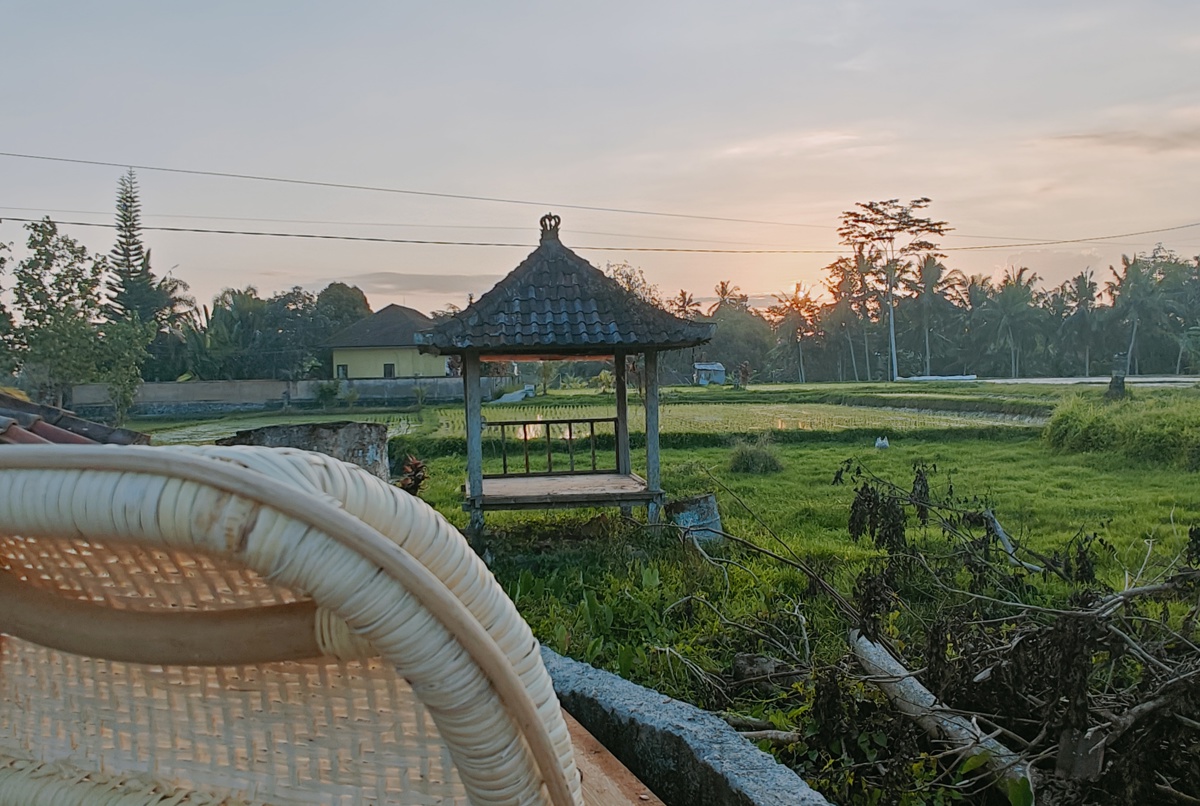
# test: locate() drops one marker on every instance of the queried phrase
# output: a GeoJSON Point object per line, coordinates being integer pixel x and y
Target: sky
{"type": "Point", "coordinates": [1022, 121]}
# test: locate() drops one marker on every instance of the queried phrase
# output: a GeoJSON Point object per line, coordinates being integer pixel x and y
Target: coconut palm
{"type": "Point", "coordinates": [1012, 313]}
{"type": "Point", "coordinates": [684, 305]}
{"type": "Point", "coordinates": [844, 285]}
{"type": "Point", "coordinates": [929, 284]}
{"type": "Point", "coordinates": [1138, 299]}
{"type": "Point", "coordinates": [794, 315]}
{"type": "Point", "coordinates": [1079, 326]}
{"type": "Point", "coordinates": [728, 294]}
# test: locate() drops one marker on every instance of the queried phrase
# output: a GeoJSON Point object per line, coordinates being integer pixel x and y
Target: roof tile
{"type": "Point", "coordinates": [556, 298]}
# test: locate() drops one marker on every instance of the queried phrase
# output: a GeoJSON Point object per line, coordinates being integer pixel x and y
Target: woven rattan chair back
{"type": "Point", "coordinates": [256, 626]}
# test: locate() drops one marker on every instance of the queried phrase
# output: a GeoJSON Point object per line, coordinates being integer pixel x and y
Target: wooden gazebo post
{"type": "Point", "coordinates": [473, 401]}
{"type": "Point", "coordinates": [653, 474]}
{"type": "Point", "coordinates": [622, 392]}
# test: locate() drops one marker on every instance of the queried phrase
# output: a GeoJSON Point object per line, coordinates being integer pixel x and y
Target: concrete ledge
{"type": "Point", "coordinates": [687, 756]}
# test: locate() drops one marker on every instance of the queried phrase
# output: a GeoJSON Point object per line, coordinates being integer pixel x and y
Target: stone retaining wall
{"type": "Point", "coordinates": [687, 756]}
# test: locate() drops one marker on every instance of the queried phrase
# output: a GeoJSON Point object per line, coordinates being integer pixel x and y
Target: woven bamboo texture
{"type": "Point", "coordinates": [426, 686]}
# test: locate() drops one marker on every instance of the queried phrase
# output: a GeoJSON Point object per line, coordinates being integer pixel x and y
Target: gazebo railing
{"type": "Point", "coordinates": [539, 438]}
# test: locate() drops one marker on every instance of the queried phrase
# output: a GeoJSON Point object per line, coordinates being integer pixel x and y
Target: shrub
{"type": "Point", "coordinates": [1161, 431]}
{"type": "Point", "coordinates": [757, 457]}
{"type": "Point", "coordinates": [327, 392]}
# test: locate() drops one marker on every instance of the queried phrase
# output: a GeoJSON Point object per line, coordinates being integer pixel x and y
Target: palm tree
{"type": "Point", "coordinates": [683, 305]}
{"type": "Point", "coordinates": [972, 299]}
{"type": "Point", "coordinates": [1079, 293]}
{"type": "Point", "coordinates": [728, 294]}
{"type": "Point", "coordinates": [844, 285]}
{"type": "Point", "coordinates": [1013, 313]}
{"type": "Point", "coordinates": [1138, 299]}
{"type": "Point", "coordinates": [867, 301]}
{"type": "Point", "coordinates": [794, 315]}
{"type": "Point", "coordinates": [1180, 280]}
{"type": "Point", "coordinates": [929, 285]}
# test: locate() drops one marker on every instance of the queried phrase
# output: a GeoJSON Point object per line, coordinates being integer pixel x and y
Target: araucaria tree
{"type": "Point", "coordinates": [890, 234]}
{"type": "Point", "coordinates": [136, 295]}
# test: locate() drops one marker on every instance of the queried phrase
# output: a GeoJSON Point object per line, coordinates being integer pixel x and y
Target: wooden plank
{"type": "Point", "coordinates": [623, 463]}
{"type": "Point", "coordinates": [565, 490]}
{"type": "Point", "coordinates": [606, 781]}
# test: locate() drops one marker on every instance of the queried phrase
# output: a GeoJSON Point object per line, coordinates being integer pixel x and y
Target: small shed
{"type": "Point", "coordinates": [706, 372]}
{"type": "Point", "coordinates": [557, 306]}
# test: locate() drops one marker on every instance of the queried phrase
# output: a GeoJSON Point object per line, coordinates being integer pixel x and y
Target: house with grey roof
{"type": "Point", "coordinates": [384, 346]}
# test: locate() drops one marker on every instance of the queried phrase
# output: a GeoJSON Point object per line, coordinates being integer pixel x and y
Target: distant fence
{"type": "Point", "coordinates": [194, 398]}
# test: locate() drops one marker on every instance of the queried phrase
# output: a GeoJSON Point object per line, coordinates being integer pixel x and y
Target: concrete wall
{"type": "Point", "coordinates": [367, 362]}
{"type": "Point", "coordinates": [198, 398]}
{"type": "Point", "coordinates": [687, 756]}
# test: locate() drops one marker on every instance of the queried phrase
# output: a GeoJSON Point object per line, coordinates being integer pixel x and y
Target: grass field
{"type": "Point", "coordinates": [641, 603]}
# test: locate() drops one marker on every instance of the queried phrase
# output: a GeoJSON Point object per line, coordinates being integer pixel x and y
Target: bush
{"type": "Point", "coordinates": [1161, 431]}
{"type": "Point", "coordinates": [757, 457]}
{"type": "Point", "coordinates": [327, 392]}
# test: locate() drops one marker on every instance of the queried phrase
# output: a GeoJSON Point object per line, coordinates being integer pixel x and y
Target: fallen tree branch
{"type": "Point", "coordinates": [1006, 542]}
{"type": "Point", "coordinates": [739, 722]}
{"type": "Point", "coordinates": [781, 737]}
{"type": "Point", "coordinates": [917, 702]}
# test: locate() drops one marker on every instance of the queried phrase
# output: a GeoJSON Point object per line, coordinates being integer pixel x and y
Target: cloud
{"type": "Point", "coordinates": [1178, 140]}
{"type": "Point", "coordinates": [790, 143]}
{"type": "Point", "coordinates": [394, 282]}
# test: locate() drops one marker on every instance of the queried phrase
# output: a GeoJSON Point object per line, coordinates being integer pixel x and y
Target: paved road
{"type": "Point", "coordinates": [1130, 380]}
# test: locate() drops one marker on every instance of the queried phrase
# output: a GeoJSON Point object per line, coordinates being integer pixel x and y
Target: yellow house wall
{"type": "Point", "coordinates": [367, 362]}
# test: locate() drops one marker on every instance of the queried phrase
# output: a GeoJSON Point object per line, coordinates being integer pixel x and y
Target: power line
{"type": "Point", "coordinates": [419, 241]}
{"type": "Point", "coordinates": [1072, 240]}
{"type": "Point", "coordinates": [407, 192]}
{"type": "Point", "coordinates": [656, 249]}
{"type": "Point", "coordinates": [108, 213]}
{"type": "Point", "coordinates": [1016, 241]}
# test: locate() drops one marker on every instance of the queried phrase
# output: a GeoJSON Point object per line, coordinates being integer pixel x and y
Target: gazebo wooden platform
{"type": "Point", "coordinates": [557, 306]}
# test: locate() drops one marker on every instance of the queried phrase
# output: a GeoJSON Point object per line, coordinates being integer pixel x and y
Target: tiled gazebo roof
{"type": "Point", "coordinates": [25, 423]}
{"type": "Point", "coordinates": [556, 303]}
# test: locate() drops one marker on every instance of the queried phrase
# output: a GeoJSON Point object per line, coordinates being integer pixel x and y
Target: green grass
{"type": "Point", "coordinates": [1041, 496]}
{"type": "Point", "coordinates": [1161, 431]}
{"type": "Point", "coordinates": [640, 603]}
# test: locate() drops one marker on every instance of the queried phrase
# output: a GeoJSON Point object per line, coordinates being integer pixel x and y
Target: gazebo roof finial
{"type": "Point", "coordinates": [550, 224]}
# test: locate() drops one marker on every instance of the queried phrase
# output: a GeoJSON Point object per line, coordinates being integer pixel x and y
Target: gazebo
{"type": "Point", "coordinates": [557, 306]}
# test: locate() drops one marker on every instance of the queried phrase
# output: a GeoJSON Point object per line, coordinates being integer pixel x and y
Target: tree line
{"type": "Point", "coordinates": [892, 308]}
{"type": "Point", "coordinates": [77, 317]}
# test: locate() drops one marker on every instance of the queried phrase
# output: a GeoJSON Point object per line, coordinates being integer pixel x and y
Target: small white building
{"type": "Point", "coordinates": [707, 372]}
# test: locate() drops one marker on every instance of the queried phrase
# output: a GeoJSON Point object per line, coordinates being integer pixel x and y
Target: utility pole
{"type": "Point", "coordinates": [891, 275]}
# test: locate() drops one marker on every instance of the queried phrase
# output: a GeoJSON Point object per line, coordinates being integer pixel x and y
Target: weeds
{"type": "Point", "coordinates": [1163, 431]}
{"type": "Point", "coordinates": [758, 457]}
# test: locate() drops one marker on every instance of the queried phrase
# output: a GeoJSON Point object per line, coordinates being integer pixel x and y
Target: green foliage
{"type": "Point", "coordinates": [56, 293]}
{"type": "Point", "coordinates": [243, 335]}
{"type": "Point", "coordinates": [122, 349]}
{"type": "Point", "coordinates": [8, 345]}
{"type": "Point", "coordinates": [327, 393]}
{"type": "Point", "coordinates": [1162, 431]}
{"type": "Point", "coordinates": [759, 456]}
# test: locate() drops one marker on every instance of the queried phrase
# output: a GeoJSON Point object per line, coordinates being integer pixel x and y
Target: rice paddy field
{"type": "Point", "coordinates": [683, 412]}
{"type": "Point", "coordinates": [1056, 465]}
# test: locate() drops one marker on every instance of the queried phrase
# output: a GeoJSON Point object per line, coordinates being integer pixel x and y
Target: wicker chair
{"type": "Point", "coordinates": [256, 626]}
